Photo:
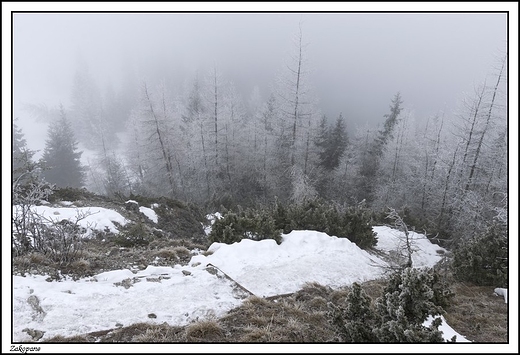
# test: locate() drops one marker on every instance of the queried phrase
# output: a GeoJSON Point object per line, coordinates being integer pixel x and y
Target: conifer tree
{"type": "Point", "coordinates": [370, 160]}
{"type": "Point", "coordinates": [360, 316]}
{"type": "Point", "coordinates": [21, 155]}
{"type": "Point", "coordinates": [406, 303]}
{"type": "Point", "coordinates": [61, 158]}
{"type": "Point", "coordinates": [335, 145]}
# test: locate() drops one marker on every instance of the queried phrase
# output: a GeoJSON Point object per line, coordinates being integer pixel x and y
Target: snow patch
{"type": "Point", "coordinates": [447, 331]}
{"type": "Point", "coordinates": [148, 212]}
{"type": "Point", "coordinates": [90, 218]}
{"type": "Point", "coordinates": [501, 292]}
{"type": "Point", "coordinates": [425, 254]}
{"type": "Point", "coordinates": [211, 218]}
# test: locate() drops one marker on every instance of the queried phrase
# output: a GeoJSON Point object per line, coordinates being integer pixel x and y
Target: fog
{"type": "Point", "coordinates": [357, 62]}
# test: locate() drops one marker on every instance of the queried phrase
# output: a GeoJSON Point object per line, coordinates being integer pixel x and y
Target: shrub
{"type": "Point", "coordinates": [250, 224]}
{"type": "Point", "coordinates": [60, 241]}
{"type": "Point", "coordinates": [483, 259]}
{"type": "Point", "coordinates": [410, 296]}
{"type": "Point", "coordinates": [406, 303]}
{"type": "Point", "coordinates": [354, 223]}
{"type": "Point", "coordinates": [355, 321]}
{"type": "Point", "coordinates": [137, 235]}
{"type": "Point", "coordinates": [358, 225]}
{"type": "Point", "coordinates": [70, 194]}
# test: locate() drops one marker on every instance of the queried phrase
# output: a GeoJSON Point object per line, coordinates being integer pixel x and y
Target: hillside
{"type": "Point", "coordinates": [157, 283]}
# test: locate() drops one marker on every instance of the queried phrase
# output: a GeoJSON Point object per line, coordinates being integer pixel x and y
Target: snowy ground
{"type": "Point", "coordinates": [180, 294]}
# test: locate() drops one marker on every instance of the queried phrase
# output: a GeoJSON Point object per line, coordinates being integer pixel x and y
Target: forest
{"type": "Point", "coordinates": [447, 175]}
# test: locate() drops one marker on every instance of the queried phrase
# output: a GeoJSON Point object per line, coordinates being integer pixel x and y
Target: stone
{"type": "Point", "coordinates": [34, 333]}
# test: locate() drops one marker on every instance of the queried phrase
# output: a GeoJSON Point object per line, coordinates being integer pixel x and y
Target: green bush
{"type": "Point", "coordinates": [136, 235]}
{"type": "Point", "coordinates": [70, 194]}
{"type": "Point", "coordinates": [406, 303]}
{"type": "Point", "coordinates": [249, 224]}
{"type": "Point", "coordinates": [357, 223]}
{"type": "Point", "coordinates": [483, 260]}
{"type": "Point", "coordinates": [356, 320]}
{"type": "Point", "coordinates": [395, 317]}
{"type": "Point", "coordinates": [354, 223]}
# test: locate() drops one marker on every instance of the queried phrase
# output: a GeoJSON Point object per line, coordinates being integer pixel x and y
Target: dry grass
{"type": "Point", "coordinates": [160, 334]}
{"type": "Point", "coordinates": [205, 331]}
{"type": "Point", "coordinates": [477, 314]}
{"type": "Point", "coordinates": [143, 333]}
{"type": "Point", "coordinates": [295, 318]}
{"type": "Point", "coordinates": [166, 253]}
{"type": "Point", "coordinates": [303, 317]}
{"type": "Point", "coordinates": [80, 266]}
{"type": "Point", "coordinates": [31, 260]}
{"type": "Point", "coordinates": [182, 252]}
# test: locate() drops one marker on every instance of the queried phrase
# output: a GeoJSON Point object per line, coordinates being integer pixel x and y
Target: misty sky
{"type": "Point", "coordinates": [357, 62]}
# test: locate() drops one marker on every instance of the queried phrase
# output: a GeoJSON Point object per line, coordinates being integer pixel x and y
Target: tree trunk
{"type": "Point", "coordinates": [481, 139]}
{"type": "Point", "coordinates": [166, 157]}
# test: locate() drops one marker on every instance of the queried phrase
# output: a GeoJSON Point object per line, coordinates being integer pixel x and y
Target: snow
{"type": "Point", "coordinates": [148, 212]}
{"type": "Point", "coordinates": [268, 269]}
{"type": "Point", "coordinates": [501, 292]}
{"type": "Point", "coordinates": [179, 294]}
{"type": "Point", "coordinates": [425, 254]}
{"type": "Point", "coordinates": [211, 218]}
{"type": "Point", "coordinates": [447, 331]}
{"type": "Point", "coordinates": [90, 218]}
{"type": "Point", "coordinates": [96, 303]}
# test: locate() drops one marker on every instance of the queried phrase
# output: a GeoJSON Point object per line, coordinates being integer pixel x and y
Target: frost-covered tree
{"type": "Point", "coordinates": [371, 157]}
{"type": "Point", "coordinates": [483, 259]}
{"type": "Point", "coordinates": [398, 316]}
{"type": "Point", "coordinates": [195, 140]}
{"type": "Point", "coordinates": [156, 129]}
{"type": "Point", "coordinates": [359, 316]}
{"type": "Point", "coordinates": [299, 122]}
{"type": "Point", "coordinates": [61, 158]}
{"type": "Point", "coordinates": [475, 188]}
{"type": "Point", "coordinates": [406, 303]}
{"type": "Point", "coordinates": [270, 150]}
{"type": "Point", "coordinates": [22, 156]}
{"type": "Point", "coordinates": [86, 114]}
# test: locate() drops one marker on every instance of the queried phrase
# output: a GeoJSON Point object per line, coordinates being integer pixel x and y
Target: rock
{"type": "Point", "coordinates": [34, 333]}
{"type": "Point", "coordinates": [119, 325]}
{"type": "Point", "coordinates": [34, 302]}
{"type": "Point", "coordinates": [152, 315]}
{"type": "Point", "coordinates": [186, 272]}
{"type": "Point", "coordinates": [212, 270]}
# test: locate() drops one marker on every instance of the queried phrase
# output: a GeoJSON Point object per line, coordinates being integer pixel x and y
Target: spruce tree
{"type": "Point", "coordinates": [22, 163]}
{"type": "Point", "coordinates": [335, 146]}
{"type": "Point", "coordinates": [60, 156]}
{"type": "Point", "coordinates": [371, 159]}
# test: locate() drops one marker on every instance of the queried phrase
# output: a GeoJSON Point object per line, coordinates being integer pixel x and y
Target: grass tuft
{"type": "Point", "coordinates": [205, 331]}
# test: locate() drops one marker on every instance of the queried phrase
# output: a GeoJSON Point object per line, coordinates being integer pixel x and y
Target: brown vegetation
{"type": "Point", "coordinates": [303, 317]}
